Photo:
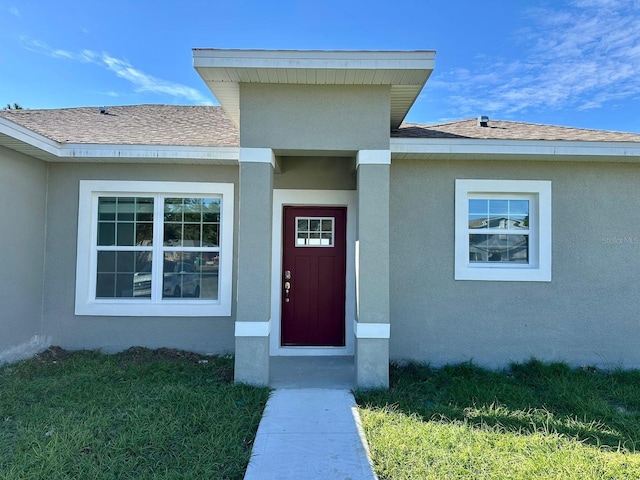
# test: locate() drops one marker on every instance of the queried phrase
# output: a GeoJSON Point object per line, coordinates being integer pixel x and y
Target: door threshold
{"type": "Point", "coordinates": [311, 352]}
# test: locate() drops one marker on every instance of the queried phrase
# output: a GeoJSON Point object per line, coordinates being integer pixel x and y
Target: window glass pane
{"type": "Point", "coordinates": [303, 225]}
{"type": "Point", "coordinates": [144, 234]}
{"type": "Point", "coordinates": [498, 248]}
{"type": "Point", "coordinates": [210, 235]}
{"type": "Point", "coordinates": [191, 235]}
{"type": "Point", "coordinates": [106, 261]}
{"type": "Point", "coordinates": [478, 221]}
{"type": "Point", "coordinates": [191, 222]}
{"type": "Point", "coordinates": [106, 233]}
{"type": "Point", "coordinates": [190, 275]}
{"type": "Point", "coordinates": [122, 274]}
{"type": "Point", "coordinates": [172, 234]}
{"type": "Point", "coordinates": [193, 210]}
{"type": "Point", "coordinates": [314, 225]}
{"type": "Point", "coordinates": [173, 210]}
{"type": "Point", "coordinates": [144, 209]}
{"type": "Point", "coordinates": [498, 207]}
{"type": "Point", "coordinates": [107, 209]}
{"type": "Point", "coordinates": [211, 209]}
{"type": "Point", "coordinates": [105, 285]}
{"type": "Point", "coordinates": [479, 206]}
{"type": "Point", "coordinates": [117, 219]}
{"type": "Point", "coordinates": [124, 234]}
{"type": "Point", "coordinates": [519, 214]}
{"type": "Point", "coordinates": [126, 209]}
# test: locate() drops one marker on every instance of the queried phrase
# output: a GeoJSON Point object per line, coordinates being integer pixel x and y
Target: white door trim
{"type": "Point", "coordinates": [342, 198]}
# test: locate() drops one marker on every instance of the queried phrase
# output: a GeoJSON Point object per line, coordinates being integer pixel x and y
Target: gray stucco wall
{"type": "Point", "coordinates": [200, 334]}
{"type": "Point", "coordinates": [316, 173]}
{"type": "Point", "coordinates": [23, 194]}
{"type": "Point", "coordinates": [589, 314]}
{"type": "Point", "coordinates": [308, 117]}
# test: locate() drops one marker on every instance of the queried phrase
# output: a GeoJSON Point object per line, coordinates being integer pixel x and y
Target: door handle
{"type": "Point", "coordinates": [287, 287]}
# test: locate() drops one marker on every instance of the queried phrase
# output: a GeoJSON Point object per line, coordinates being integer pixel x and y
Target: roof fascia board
{"type": "Point", "coordinates": [552, 148]}
{"type": "Point", "coordinates": [301, 59]}
{"type": "Point", "coordinates": [29, 137]}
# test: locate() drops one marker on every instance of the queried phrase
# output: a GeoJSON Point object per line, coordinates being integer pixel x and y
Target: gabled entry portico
{"type": "Point", "coordinates": [303, 109]}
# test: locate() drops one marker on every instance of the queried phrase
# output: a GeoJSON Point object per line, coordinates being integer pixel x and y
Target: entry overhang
{"type": "Point", "coordinates": [406, 72]}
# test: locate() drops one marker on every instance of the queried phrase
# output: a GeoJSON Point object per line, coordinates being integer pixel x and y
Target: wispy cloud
{"type": "Point", "coordinates": [141, 81]}
{"type": "Point", "coordinates": [15, 12]}
{"type": "Point", "coordinates": [581, 57]}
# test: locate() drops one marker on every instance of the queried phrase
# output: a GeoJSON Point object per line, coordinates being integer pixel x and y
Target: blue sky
{"type": "Point", "coordinates": [572, 62]}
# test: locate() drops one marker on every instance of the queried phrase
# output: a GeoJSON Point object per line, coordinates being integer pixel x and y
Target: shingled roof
{"type": "Point", "coordinates": [132, 125]}
{"type": "Point", "coordinates": [210, 126]}
{"type": "Point", "coordinates": [506, 130]}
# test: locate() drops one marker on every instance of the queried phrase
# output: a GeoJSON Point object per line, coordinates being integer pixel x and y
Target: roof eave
{"type": "Point", "coordinates": [536, 150]}
{"type": "Point", "coordinates": [406, 72]}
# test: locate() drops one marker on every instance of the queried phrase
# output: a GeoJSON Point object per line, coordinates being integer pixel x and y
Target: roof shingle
{"type": "Point", "coordinates": [174, 125]}
{"type": "Point", "coordinates": [132, 125]}
{"type": "Point", "coordinates": [506, 130]}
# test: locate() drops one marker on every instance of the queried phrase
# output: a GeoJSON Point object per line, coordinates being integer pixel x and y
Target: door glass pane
{"type": "Point", "coordinates": [314, 231]}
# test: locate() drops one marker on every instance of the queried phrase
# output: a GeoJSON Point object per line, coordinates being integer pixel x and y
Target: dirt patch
{"type": "Point", "coordinates": [142, 353]}
{"type": "Point", "coordinates": [133, 354]}
{"type": "Point", "coordinates": [52, 354]}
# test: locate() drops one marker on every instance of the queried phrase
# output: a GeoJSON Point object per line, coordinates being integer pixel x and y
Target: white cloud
{"type": "Point", "coordinates": [141, 81]}
{"type": "Point", "coordinates": [14, 11]}
{"type": "Point", "coordinates": [580, 57]}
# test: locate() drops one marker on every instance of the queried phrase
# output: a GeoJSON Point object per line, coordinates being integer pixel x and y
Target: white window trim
{"type": "Point", "coordinates": [87, 304]}
{"type": "Point", "coordinates": [539, 267]}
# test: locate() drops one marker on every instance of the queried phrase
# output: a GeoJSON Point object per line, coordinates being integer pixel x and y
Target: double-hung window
{"type": "Point", "coordinates": [503, 230]}
{"type": "Point", "coordinates": [154, 249]}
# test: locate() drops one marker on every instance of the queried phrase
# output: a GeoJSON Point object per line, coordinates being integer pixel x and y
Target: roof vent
{"type": "Point", "coordinates": [483, 121]}
{"type": "Point", "coordinates": [103, 110]}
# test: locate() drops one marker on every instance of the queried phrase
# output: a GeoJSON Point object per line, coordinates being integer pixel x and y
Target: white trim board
{"type": "Point", "coordinates": [343, 198]}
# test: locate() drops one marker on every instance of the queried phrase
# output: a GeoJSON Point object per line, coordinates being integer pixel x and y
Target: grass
{"type": "Point", "coordinates": [532, 421]}
{"type": "Point", "coordinates": [141, 414]}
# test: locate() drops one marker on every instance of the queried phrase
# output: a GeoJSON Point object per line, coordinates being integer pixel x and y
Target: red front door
{"type": "Point", "coordinates": [313, 276]}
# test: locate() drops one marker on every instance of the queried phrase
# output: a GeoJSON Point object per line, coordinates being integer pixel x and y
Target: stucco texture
{"type": "Point", "coordinates": [587, 315]}
{"type": "Point", "coordinates": [200, 334]}
{"type": "Point", "coordinates": [23, 196]}
{"type": "Point", "coordinates": [314, 117]}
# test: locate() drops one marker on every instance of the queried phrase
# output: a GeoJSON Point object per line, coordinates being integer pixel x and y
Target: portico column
{"type": "Point", "coordinates": [372, 270]}
{"type": "Point", "coordinates": [253, 323]}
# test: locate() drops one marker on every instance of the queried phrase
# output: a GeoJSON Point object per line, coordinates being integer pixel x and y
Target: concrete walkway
{"type": "Point", "coordinates": [310, 428]}
{"type": "Point", "coordinates": [310, 434]}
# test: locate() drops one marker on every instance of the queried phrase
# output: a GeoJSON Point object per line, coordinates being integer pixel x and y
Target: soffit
{"type": "Point", "coordinates": [406, 72]}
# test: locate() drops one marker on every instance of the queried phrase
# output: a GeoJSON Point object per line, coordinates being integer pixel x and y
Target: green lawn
{"type": "Point", "coordinates": [141, 414]}
{"type": "Point", "coordinates": [532, 421]}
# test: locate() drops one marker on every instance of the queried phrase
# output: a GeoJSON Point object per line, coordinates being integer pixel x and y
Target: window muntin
{"type": "Point", "coordinates": [498, 229]}
{"type": "Point", "coordinates": [191, 247]}
{"type": "Point", "coordinates": [314, 231]}
{"type": "Point", "coordinates": [151, 253]}
{"type": "Point", "coordinates": [503, 230]}
{"type": "Point", "coordinates": [124, 245]}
